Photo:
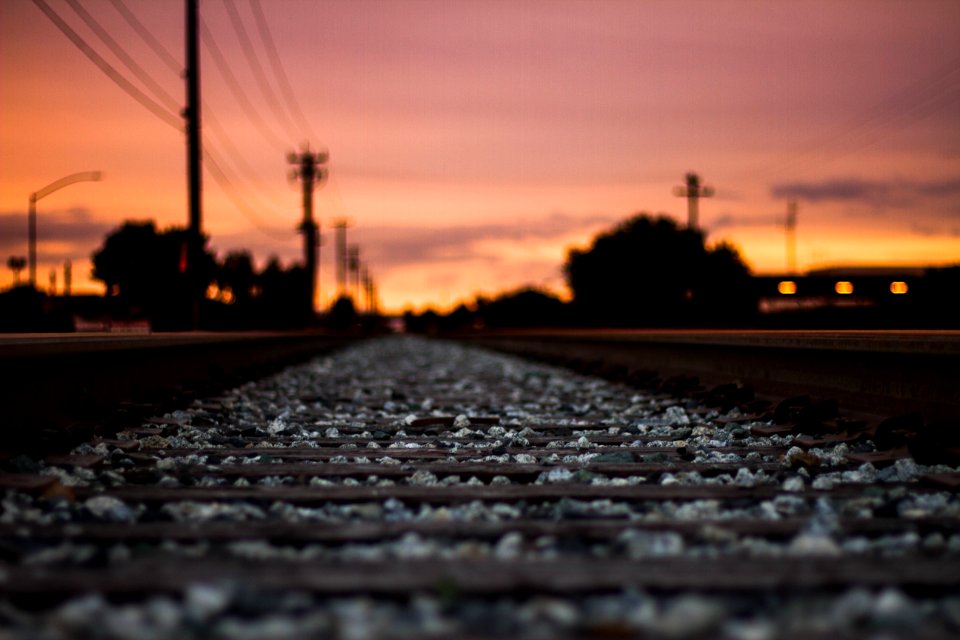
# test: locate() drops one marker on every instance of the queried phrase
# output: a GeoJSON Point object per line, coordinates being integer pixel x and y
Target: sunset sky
{"type": "Point", "coordinates": [473, 141]}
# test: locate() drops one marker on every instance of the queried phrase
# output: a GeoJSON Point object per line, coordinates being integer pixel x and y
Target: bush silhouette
{"type": "Point", "coordinates": [650, 272]}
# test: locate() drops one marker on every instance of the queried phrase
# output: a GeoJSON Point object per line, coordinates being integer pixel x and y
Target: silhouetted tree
{"type": "Point", "coordinates": [527, 307]}
{"type": "Point", "coordinates": [426, 322]}
{"type": "Point", "coordinates": [650, 272]}
{"type": "Point", "coordinates": [145, 272]}
{"type": "Point", "coordinates": [236, 275]}
{"type": "Point", "coordinates": [459, 319]}
{"type": "Point", "coordinates": [343, 314]}
{"type": "Point", "coordinates": [281, 299]}
{"type": "Point", "coordinates": [16, 264]}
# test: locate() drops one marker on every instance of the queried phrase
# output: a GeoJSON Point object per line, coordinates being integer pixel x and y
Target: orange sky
{"type": "Point", "coordinates": [473, 142]}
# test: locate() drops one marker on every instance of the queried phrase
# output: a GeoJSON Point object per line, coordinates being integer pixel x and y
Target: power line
{"type": "Point", "coordinates": [124, 57]}
{"type": "Point", "coordinates": [887, 112]}
{"type": "Point", "coordinates": [289, 96]}
{"type": "Point", "coordinates": [226, 184]}
{"type": "Point", "coordinates": [145, 100]}
{"type": "Point", "coordinates": [248, 173]}
{"type": "Point", "coordinates": [148, 37]}
{"type": "Point", "coordinates": [223, 66]}
{"type": "Point", "coordinates": [930, 105]}
{"type": "Point", "coordinates": [254, 62]}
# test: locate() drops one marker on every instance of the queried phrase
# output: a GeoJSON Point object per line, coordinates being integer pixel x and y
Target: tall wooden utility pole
{"type": "Point", "coordinates": [191, 115]}
{"type": "Point", "coordinates": [310, 170]}
{"type": "Point", "coordinates": [693, 191]}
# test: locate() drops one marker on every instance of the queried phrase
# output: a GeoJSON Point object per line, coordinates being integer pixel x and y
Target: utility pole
{"type": "Point", "coordinates": [367, 283]}
{"type": "Point", "coordinates": [693, 191]}
{"type": "Point", "coordinates": [792, 237]}
{"type": "Point", "coordinates": [341, 226]}
{"type": "Point", "coordinates": [353, 263]}
{"type": "Point", "coordinates": [67, 278]}
{"type": "Point", "coordinates": [191, 114]}
{"type": "Point", "coordinates": [310, 170]}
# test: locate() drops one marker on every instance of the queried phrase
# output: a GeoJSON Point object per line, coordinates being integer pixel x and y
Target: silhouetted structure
{"type": "Point", "coordinates": [196, 262]}
{"type": "Point", "coordinates": [693, 191]}
{"type": "Point", "coordinates": [353, 265]}
{"type": "Point", "coordinates": [67, 278]}
{"type": "Point", "coordinates": [311, 173]}
{"type": "Point", "coordinates": [791, 225]}
{"type": "Point", "coordinates": [341, 255]}
{"type": "Point", "coordinates": [649, 272]}
{"type": "Point", "coordinates": [861, 297]}
{"type": "Point", "coordinates": [56, 185]}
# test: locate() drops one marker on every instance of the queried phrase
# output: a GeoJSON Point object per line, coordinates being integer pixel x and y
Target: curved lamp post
{"type": "Point", "coordinates": [83, 176]}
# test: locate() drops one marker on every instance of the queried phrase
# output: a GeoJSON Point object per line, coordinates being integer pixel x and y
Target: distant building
{"type": "Point", "coordinates": [854, 286]}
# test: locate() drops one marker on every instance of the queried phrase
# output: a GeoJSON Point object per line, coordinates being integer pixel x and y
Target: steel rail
{"type": "Point", "coordinates": [882, 373]}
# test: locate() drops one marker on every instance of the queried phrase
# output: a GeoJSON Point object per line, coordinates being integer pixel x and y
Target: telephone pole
{"type": "Point", "coordinates": [353, 263]}
{"type": "Point", "coordinates": [191, 114]}
{"type": "Point", "coordinates": [367, 293]}
{"type": "Point", "coordinates": [792, 237]}
{"type": "Point", "coordinates": [310, 170]}
{"type": "Point", "coordinates": [341, 227]}
{"type": "Point", "coordinates": [693, 191]}
{"type": "Point", "coordinates": [67, 278]}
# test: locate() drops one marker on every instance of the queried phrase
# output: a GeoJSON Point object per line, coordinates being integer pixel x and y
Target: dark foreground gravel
{"type": "Point", "coordinates": [414, 488]}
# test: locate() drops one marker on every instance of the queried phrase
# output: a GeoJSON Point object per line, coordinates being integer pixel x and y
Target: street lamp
{"type": "Point", "coordinates": [83, 176]}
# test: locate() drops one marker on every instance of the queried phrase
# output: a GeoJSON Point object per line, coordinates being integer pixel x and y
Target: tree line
{"type": "Point", "coordinates": [647, 271]}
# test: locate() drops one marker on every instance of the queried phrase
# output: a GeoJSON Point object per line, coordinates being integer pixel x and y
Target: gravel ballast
{"type": "Point", "coordinates": [406, 487]}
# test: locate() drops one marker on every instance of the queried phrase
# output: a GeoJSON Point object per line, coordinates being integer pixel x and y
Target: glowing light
{"type": "Point", "coordinates": [787, 287]}
{"type": "Point", "coordinates": [898, 288]}
{"type": "Point", "coordinates": [844, 288]}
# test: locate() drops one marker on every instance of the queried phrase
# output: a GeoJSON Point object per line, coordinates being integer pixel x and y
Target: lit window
{"type": "Point", "coordinates": [787, 287]}
{"type": "Point", "coordinates": [844, 288]}
{"type": "Point", "coordinates": [899, 288]}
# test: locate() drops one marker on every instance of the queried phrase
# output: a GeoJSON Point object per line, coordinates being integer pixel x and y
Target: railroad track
{"type": "Point", "coordinates": [403, 487]}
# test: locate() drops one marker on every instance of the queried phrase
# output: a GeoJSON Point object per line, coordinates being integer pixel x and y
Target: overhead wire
{"type": "Point", "coordinates": [218, 169]}
{"type": "Point", "coordinates": [926, 108]}
{"type": "Point", "coordinates": [854, 135]}
{"type": "Point", "coordinates": [283, 81]}
{"type": "Point", "coordinates": [158, 91]}
{"type": "Point", "coordinates": [239, 160]}
{"type": "Point", "coordinates": [253, 61]}
{"type": "Point", "coordinates": [221, 177]}
{"type": "Point", "coordinates": [236, 89]}
{"type": "Point", "coordinates": [146, 101]}
{"type": "Point", "coordinates": [148, 37]}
